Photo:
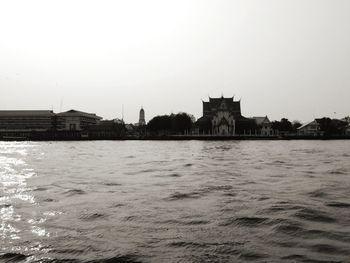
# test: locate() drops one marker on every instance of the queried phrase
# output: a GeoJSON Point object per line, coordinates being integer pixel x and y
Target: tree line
{"type": "Point", "coordinates": [328, 126]}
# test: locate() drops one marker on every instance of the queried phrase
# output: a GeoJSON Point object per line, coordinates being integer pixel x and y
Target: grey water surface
{"type": "Point", "coordinates": [173, 201]}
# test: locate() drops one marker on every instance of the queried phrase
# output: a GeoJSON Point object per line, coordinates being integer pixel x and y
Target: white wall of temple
{"type": "Point", "coordinates": [223, 129]}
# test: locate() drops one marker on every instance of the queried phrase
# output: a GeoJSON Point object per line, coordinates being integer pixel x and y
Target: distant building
{"type": "Point", "coordinates": [74, 120]}
{"type": "Point", "coordinates": [312, 128]}
{"type": "Point", "coordinates": [142, 120]}
{"type": "Point", "coordinates": [105, 129]}
{"type": "Point", "coordinates": [131, 129]}
{"type": "Point", "coordinates": [46, 125]}
{"type": "Point", "coordinates": [222, 116]}
{"type": "Point", "coordinates": [264, 126]}
{"type": "Point", "coordinates": [26, 120]}
{"type": "Point", "coordinates": [219, 116]}
{"type": "Point", "coordinates": [347, 130]}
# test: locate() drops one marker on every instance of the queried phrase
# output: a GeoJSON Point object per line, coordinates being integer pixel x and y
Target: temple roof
{"type": "Point", "coordinates": [215, 103]}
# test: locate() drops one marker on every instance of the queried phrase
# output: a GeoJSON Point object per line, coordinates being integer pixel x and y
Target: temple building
{"type": "Point", "coordinates": [142, 120]}
{"type": "Point", "coordinates": [222, 116]}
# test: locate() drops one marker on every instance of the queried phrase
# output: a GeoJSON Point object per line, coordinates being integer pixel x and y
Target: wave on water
{"type": "Point", "coordinates": [329, 249]}
{"type": "Point", "coordinates": [339, 171]}
{"type": "Point", "coordinates": [117, 259]}
{"type": "Point", "coordinates": [73, 192]}
{"type": "Point", "coordinates": [40, 189]}
{"type": "Point", "coordinates": [112, 184]}
{"type": "Point", "coordinates": [90, 216]}
{"type": "Point", "coordinates": [314, 215]}
{"type": "Point", "coordinates": [175, 175]}
{"type": "Point", "coordinates": [250, 256]}
{"type": "Point", "coordinates": [12, 257]}
{"type": "Point", "coordinates": [319, 193]}
{"type": "Point", "coordinates": [289, 227]}
{"type": "Point", "coordinates": [181, 196]}
{"type": "Point", "coordinates": [338, 204]}
{"type": "Point", "coordinates": [246, 221]}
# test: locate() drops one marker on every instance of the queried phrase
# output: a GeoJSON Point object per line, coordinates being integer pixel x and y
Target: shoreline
{"type": "Point", "coordinates": [180, 138]}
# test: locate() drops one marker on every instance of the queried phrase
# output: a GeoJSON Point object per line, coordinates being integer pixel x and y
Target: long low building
{"type": "Point", "coordinates": [26, 120]}
{"type": "Point", "coordinates": [45, 120]}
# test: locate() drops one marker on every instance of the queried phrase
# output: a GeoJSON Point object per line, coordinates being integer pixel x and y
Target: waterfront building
{"type": "Point", "coordinates": [312, 128]}
{"type": "Point", "coordinates": [130, 129]}
{"type": "Point", "coordinates": [26, 120]}
{"type": "Point", "coordinates": [105, 129]}
{"type": "Point", "coordinates": [74, 120]}
{"type": "Point", "coordinates": [219, 116]}
{"type": "Point", "coordinates": [264, 126]}
{"type": "Point", "coordinates": [222, 116]}
{"type": "Point", "coordinates": [142, 120]}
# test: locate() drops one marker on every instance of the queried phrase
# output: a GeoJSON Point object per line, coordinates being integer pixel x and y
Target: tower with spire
{"type": "Point", "coordinates": [142, 120]}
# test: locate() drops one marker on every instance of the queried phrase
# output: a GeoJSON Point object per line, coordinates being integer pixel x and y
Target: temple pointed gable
{"type": "Point", "coordinates": [223, 121]}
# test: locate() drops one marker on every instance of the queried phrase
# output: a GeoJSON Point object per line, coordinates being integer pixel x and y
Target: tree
{"type": "Point", "coordinates": [174, 124]}
{"type": "Point", "coordinates": [331, 127]}
{"type": "Point", "coordinates": [296, 125]}
{"type": "Point", "coordinates": [181, 123]}
{"type": "Point", "coordinates": [160, 124]}
{"type": "Point", "coordinates": [283, 126]}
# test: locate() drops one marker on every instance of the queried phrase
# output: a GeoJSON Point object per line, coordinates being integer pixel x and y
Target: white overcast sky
{"type": "Point", "coordinates": [282, 58]}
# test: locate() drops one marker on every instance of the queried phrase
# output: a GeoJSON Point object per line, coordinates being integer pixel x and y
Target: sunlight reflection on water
{"type": "Point", "coordinates": [15, 193]}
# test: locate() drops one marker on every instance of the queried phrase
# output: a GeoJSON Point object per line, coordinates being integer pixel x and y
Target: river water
{"type": "Point", "coordinates": [176, 201]}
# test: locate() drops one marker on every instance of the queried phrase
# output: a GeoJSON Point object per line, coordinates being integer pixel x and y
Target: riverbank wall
{"type": "Point", "coordinates": [79, 136]}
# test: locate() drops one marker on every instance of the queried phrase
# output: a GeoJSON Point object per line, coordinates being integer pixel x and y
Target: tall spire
{"type": "Point", "coordinates": [142, 120]}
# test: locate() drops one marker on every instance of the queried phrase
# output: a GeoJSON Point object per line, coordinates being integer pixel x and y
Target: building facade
{"type": "Point", "coordinates": [26, 120]}
{"type": "Point", "coordinates": [263, 126]}
{"type": "Point", "coordinates": [220, 116]}
{"type": "Point", "coordinates": [223, 116]}
{"type": "Point", "coordinates": [312, 128]}
{"type": "Point", "coordinates": [74, 120]}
